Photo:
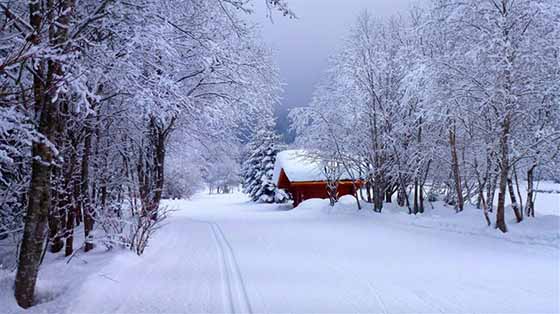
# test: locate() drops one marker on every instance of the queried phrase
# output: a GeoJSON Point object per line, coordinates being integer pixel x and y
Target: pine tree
{"type": "Point", "coordinates": [258, 169]}
{"type": "Point", "coordinates": [250, 166]}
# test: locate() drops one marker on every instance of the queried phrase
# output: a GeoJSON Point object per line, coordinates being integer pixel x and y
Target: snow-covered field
{"type": "Point", "coordinates": [223, 254]}
{"type": "Point", "coordinates": [547, 199]}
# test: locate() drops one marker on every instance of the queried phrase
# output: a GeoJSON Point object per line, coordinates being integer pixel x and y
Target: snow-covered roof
{"type": "Point", "coordinates": [299, 167]}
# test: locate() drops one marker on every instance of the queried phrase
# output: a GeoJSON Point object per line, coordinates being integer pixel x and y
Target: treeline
{"type": "Point", "coordinates": [90, 95]}
{"type": "Point", "coordinates": [456, 98]}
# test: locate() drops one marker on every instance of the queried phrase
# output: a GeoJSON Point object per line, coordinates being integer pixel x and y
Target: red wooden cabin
{"type": "Point", "coordinates": [304, 179]}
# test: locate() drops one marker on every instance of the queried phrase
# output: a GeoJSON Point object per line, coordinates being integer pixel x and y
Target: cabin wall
{"type": "Point", "coordinates": [302, 191]}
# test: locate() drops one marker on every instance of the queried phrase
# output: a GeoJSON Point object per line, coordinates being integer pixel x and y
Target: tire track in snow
{"type": "Point", "coordinates": [236, 294]}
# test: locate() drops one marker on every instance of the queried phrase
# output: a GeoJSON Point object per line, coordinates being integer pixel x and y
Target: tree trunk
{"type": "Point", "coordinates": [514, 204]}
{"type": "Point", "coordinates": [506, 83]}
{"type": "Point", "coordinates": [378, 193]}
{"type": "Point", "coordinates": [361, 191]}
{"type": "Point", "coordinates": [491, 192]}
{"type": "Point", "coordinates": [35, 229]}
{"type": "Point", "coordinates": [482, 183]}
{"type": "Point", "coordinates": [401, 197]}
{"type": "Point", "coordinates": [84, 197]}
{"type": "Point", "coordinates": [61, 176]}
{"type": "Point", "coordinates": [355, 189]}
{"type": "Point", "coordinates": [504, 170]}
{"type": "Point", "coordinates": [389, 194]}
{"type": "Point", "coordinates": [484, 208]}
{"type": "Point", "coordinates": [455, 167]}
{"type": "Point", "coordinates": [35, 223]}
{"type": "Point", "coordinates": [518, 191]}
{"type": "Point", "coordinates": [530, 210]}
{"type": "Point", "coordinates": [416, 206]}
{"type": "Point", "coordinates": [159, 173]}
{"type": "Point", "coordinates": [368, 191]}
{"type": "Point", "coordinates": [500, 209]}
{"type": "Point", "coordinates": [421, 199]}
{"type": "Point", "coordinates": [71, 211]}
{"type": "Point", "coordinates": [56, 210]}
{"type": "Point", "coordinates": [78, 213]}
{"type": "Point", "coordinates": [69, 245]}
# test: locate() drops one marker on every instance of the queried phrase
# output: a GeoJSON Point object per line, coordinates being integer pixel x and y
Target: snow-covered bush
{"type": "Point", "coordinates": [222, 174]}
{"type": "Point", "coordinates": [143, 228]}
{"type": "Point", "coordinates": [127, 226]}
{"type": "Point", "coordinates": [182, 180]}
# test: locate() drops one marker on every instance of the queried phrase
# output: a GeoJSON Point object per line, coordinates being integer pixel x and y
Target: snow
{"type": "Point", "coordinates": [221, 254]}
{"type": "Point", "coordinates": [59, 281]}
{"type": "Point", "coordinates": [547, 197]}
{"type": "Point", "coordinates": [299, 167]}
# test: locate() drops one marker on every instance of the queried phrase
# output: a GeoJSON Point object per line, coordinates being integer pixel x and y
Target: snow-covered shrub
{"type": "Point", "coordinates": [332, 171]}
{"type": "Point", "coordinates": [181, 181]}
{"type": "Point", "coordinates": [115, 223]}
{"type": "Point", "coordinates": [220, 171]}
{"type": "Point", "coordinates": [127, 226]}
{"type": "Point", "coordinates": [143, 228]}
{"type": "Point", "coordinates": [433, 196]}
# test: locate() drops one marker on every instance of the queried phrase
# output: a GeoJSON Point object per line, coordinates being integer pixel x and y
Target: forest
{"type": "Point", "coordinates": [96, 96]}
{"type": "Point", "coordinates": [459, 99]}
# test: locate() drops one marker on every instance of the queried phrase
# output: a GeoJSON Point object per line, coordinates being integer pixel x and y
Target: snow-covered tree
{"type": "Point", "coordinates": [95, 91]}
{"type": "Point", "coordinates": [258, 169]}
{"type": "Point", "coordinates": [460, 94]}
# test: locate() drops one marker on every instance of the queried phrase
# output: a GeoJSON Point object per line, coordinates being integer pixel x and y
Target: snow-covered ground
{"type": "Point", "coordinates": [223, 254]}
{"type": "Point", "coordinates": [547, 199]}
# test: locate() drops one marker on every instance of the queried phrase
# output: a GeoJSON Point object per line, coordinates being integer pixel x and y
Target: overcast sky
{"type": "Point", "coordinates": [303, 46]}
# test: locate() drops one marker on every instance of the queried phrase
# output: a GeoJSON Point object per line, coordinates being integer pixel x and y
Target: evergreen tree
{"type": "Point", "coordinates": [250, 166]}
{"type": "Point", "coordinates": [258, 169]}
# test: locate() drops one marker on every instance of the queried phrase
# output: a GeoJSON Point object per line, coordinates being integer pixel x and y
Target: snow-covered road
{"type": "Point", "coordinates": [221, 254]}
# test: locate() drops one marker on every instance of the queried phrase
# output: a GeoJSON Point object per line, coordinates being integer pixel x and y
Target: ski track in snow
{"type": "Point", "coordinates": [237, 297]}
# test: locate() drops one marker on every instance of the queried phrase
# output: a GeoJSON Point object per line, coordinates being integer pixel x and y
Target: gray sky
{"type": "Point", "coordinates": [303, 46]}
